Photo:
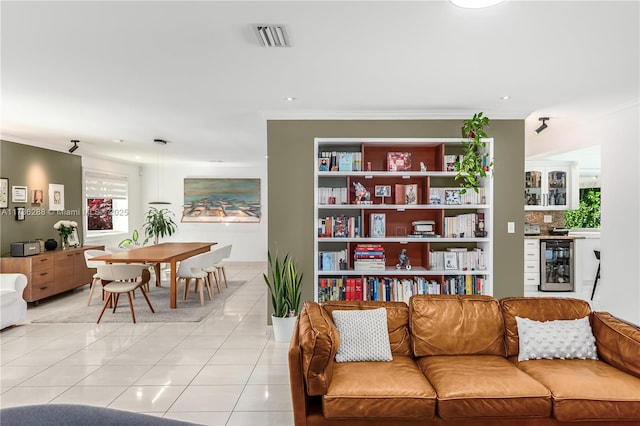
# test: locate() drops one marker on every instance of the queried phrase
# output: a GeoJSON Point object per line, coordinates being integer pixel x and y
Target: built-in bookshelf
{"type": "Point", "coordinates": [392, 220]}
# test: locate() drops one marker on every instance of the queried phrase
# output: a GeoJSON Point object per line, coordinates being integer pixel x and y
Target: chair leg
{"type": "Point", "coordinates": [148, 302]}
{"type": "Point", "coordinates": [224, 274]}
{"type": "Point", "coordinates": [217, 278]}
{"type": "Point", "coordinates": [115, 301]}
{"type": "Point", "coordinates": [133, 315]}
{"type": "Point", "coordinates": [208, 284]}
{"type": "Point", "coordinates": [94, 282]}
{"type": "Point", "coordinates": [200, 289]}
{"type": "Point", "coordinates": [104, 308]}
{"type": "Point", "coordinates": [187, 281]}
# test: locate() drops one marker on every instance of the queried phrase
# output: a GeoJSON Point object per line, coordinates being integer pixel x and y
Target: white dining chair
{"type": "Point", "coordinates": [123, 278]}
{"type": "Point", "coordinates": [192, 268]}
{"type": "Point", "coordinates": [216, 268]}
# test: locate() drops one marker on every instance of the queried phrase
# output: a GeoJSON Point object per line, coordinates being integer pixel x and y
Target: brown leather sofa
{"type": "Point", "coordinates": [455, 362]}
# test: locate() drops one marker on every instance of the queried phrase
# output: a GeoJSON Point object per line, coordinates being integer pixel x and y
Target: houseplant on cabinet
{"type": "Point", "coordinates": [474, 164]}
{"type": "Point", "coordinates": [159, 223]}
{"type": "Point", "coordinates": [285, 286]}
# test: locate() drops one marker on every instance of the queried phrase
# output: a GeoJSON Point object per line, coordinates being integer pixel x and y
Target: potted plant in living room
{"type": "Point", "coordinates": [285, 286]}
{"type": "Point", "coordinates": [474, 163]}
{"type": "Point", "coordinates": [159, 223]}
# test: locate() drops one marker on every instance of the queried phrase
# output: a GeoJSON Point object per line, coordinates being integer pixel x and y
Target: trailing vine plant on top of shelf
{"type": "Point", "coordinates": [474, 164]}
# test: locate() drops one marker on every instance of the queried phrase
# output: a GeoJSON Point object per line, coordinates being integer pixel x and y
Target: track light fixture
{"type": "Point", "coordinates": [75, 145]}
{"type": "Point", "coordinates": [543, 125]}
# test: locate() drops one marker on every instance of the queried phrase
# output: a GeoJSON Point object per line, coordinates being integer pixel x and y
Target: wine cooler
{"type": "Point", "coordinates": [556, 265]}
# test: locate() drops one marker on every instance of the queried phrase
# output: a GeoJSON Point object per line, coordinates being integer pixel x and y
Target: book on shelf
{"type": "Point", "coordinates": [378, 225]}
{"type": "Point", "coordinates": [463, 284]}
{"type": "Point", "coordinates": [465, 260]}
{"type": "Point", "coordinates": [398, 161]}
{"type": "Point", "coordinates": [340, 227]}
{"type": "Point", "coordinates": [452, 196]}
{"type": "Point", "coordinates": [332, 195]}
{"type": "Point", "coordinates": [461, 226]}
{"type": "Point", "coordinates": [331, 260]}
{"type": "Point", "coordinates": [339, 161]}
{"type": "Point", "coordinates": [345, 161]}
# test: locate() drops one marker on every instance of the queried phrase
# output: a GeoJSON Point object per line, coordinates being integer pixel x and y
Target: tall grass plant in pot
{"type": "Point", "coordinates": [284, 282]}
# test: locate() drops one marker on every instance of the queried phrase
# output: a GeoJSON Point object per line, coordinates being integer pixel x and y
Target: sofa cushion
{"type": "Point", "coordinates": [538, 309]}
{"type": "Point", "coordinates": [395, 389]}
{"type": "Point", "coordinates": [618, 342]}
{"type": "Point", "coordinates": [484, 386]}
{"type": "Point", "coordinates": [564, 339]}
{"type": "Point", "coordinates": [397, 321]}
{"type": "Point", "coordinates": [587, 389]}
{"type": "Point", "coordinates": [319, 343]}
{"type": "Point", "coordinates": [363, 335]}
{"type": "Point", "coordinates": [456, 325]}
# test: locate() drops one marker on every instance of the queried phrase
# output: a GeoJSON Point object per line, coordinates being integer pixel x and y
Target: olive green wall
{"type": "Point", "coordinates": [291, 166]}
{"type": "Point", "coordinates": [36, 168]}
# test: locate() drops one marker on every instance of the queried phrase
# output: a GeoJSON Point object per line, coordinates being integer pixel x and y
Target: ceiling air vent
{"type": "Point", "coordinates": [272, 35]}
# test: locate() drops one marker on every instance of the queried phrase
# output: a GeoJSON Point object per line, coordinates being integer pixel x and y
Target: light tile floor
{"type": "Point", "coordinates": [225, 370]}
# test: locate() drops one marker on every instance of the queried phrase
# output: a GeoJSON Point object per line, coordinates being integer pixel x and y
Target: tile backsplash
{"type": "Point", "coordinates": [537, 218]}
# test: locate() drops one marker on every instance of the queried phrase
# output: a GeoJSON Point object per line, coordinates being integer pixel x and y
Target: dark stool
{"type": "Point", "coordinates": [597, 253]}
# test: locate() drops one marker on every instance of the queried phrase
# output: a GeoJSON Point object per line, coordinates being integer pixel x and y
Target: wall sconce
{"type": "Point", "coordinates": [543, 125]}
{"type": "Point", "coordinates": [75, 145]}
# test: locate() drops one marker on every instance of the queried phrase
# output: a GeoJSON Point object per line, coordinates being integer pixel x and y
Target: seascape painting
{"type": "Point", "coordinates": [221, 200]}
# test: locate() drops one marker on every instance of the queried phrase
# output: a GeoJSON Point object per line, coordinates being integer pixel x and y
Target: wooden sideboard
{"type": "Point", "coordinates": [51, 272]}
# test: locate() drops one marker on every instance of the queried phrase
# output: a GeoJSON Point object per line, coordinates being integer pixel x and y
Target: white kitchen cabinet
{"type": "Point", "coordinates": [551, 185]}
{"type": "Point", "coordinates": [531, 264]}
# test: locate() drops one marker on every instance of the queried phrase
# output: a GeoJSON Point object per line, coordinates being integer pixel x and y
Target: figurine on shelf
{"type": "Point", "coordinates": [423, 168]}
{"type": "Point", "coordinates": [362, 195]}
{"type": "Point", "coordinates": [404, 260]}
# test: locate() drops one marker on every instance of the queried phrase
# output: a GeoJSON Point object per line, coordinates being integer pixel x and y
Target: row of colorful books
{"type": "Point", "coordinates": [390, 289]}
{"type": "Point", "coordinates": [466, 225]}
{"type": "Point", "coordinates": [459, 259]}
{"type": "Point", "coordinates": [340, 227]}
{"type": "Point", "coordinates": [453, 196]}
{"type": "Point", "coordinates": [331, 260]}
{"type": "Point", "coordinates": [333, 161]}
{"type": "Point", "coordinates": [333, 195]}
{"type": "Point", "coordinates": [369, 257]}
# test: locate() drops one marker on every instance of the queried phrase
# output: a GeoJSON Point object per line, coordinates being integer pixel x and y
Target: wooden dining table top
{"type": "Point", "coordinates": [162, 253]}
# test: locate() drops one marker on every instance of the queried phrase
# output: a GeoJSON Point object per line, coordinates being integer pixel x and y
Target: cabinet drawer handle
{"type": "Point", "coordinates": [44, 273]}
{"type": "Point", "coordinates": [43, 260]}
{"type": "Point", "coordinates": [44, 288]}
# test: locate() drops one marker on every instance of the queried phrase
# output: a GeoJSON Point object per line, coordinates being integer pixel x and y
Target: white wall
{"type": "Point", "coordinates": [618, 134]}
{"type": "Point", "coordinates": [249, 239]}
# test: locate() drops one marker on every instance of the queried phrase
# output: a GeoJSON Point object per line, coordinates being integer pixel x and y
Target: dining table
{"type": "Point", "coordinates": [170, 253]}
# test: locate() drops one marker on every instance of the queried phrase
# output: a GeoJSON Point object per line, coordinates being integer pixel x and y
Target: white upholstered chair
{"type": "Point", "coordinates": [123, 278]}
{"type": "Point", "coordinates": [192, 268]}
{"type": "Point", "coordinates": [13, 308]}
{"type": "Point", "coordinates": [216, 268]}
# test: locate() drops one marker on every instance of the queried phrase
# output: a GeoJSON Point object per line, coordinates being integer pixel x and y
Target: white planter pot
{"type": "Point", "coordinates": [283, 328]}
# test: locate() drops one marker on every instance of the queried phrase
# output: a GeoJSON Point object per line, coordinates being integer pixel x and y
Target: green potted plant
{"type": "Point", "coordinates": [474, 164]}
{"type": "Point", "coordinates": [159, 223]}
{"type": "Point", "coordinates": [285, 287]}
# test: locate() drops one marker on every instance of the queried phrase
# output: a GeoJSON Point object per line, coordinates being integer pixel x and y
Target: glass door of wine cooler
{"type": "Point", "coordinates": [556, 265]}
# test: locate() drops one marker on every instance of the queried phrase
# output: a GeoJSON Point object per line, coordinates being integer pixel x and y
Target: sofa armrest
{"type": "Point", "coordinates": [16, 282]}
{"type": "Point", "coordinates": [296, 378]}
{"type": "Point", "coordinates": [618, 342]}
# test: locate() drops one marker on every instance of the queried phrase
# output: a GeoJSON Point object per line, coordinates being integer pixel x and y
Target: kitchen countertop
{"type": "Point", "coordinates": [554, 237]}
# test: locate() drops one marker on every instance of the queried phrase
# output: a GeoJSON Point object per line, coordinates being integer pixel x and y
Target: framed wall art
{"type": "Point", "coordinates": [37, 196]}
{"type": "Point", "coordinates": [56, 197]}
{"type": "Point", "coordinates": [18, 194]}
{"type": "Point", "coordinates": [221, 200]}
{"type": "Point", "coordinates": [4, 193]}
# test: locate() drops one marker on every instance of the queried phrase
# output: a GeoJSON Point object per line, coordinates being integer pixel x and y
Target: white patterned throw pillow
{"type": "Point", "coordinates": [563, 339]}
{"type": "Point", "coordinates": [363, 335]}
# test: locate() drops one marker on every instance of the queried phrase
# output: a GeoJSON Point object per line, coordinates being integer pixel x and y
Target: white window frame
{"type": "Point", "coordinates": [99, 184]}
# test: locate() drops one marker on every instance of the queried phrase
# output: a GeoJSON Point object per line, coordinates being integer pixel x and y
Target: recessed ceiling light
{"type": "Point", "coordinates": [475, 4]}
{"type": "Point", "coordinates": [118, 140]}
{"type": "Point", "coordinates": [289, 99]}
{"type": "Point", "coordinates": [505, 97]}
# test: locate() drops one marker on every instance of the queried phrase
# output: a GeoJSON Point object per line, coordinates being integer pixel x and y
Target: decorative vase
{"type": "Point", "coordinates": [50, 244]}
{"type": "Point", "coordinates": [283, 328]}
{"type": "Point", "coordinates": [65, 242]}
